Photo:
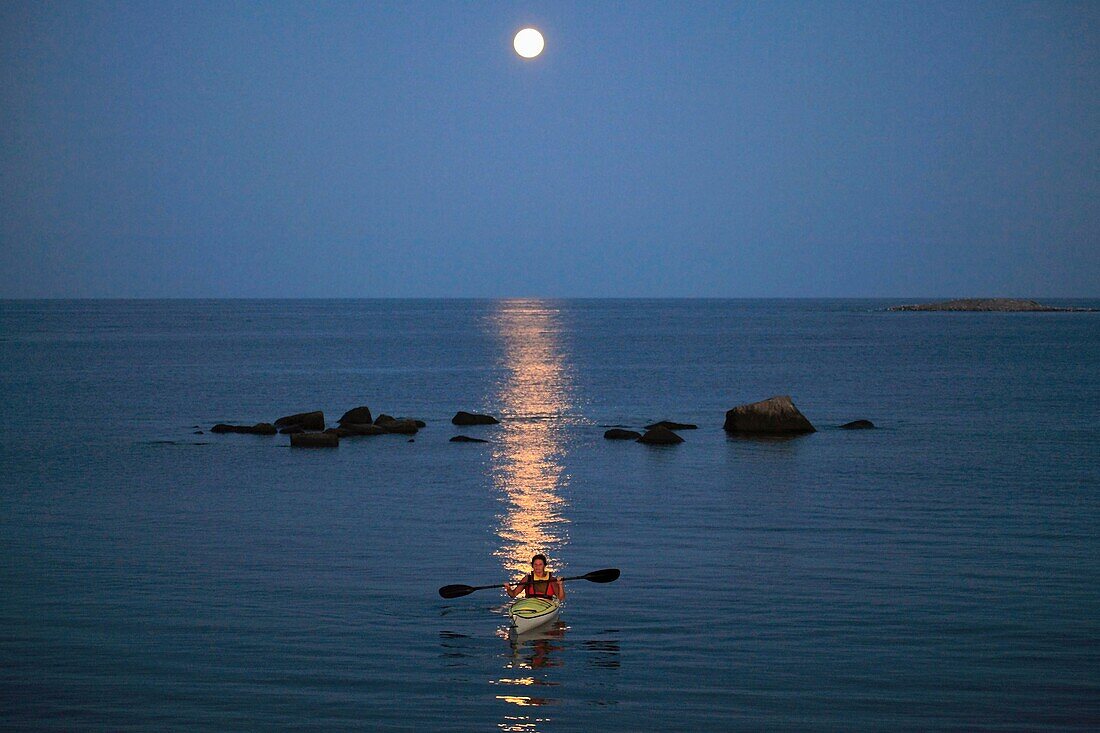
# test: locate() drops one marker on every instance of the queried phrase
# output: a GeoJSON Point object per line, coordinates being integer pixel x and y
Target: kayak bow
{"type": "Point", "coordinates": [531, 613]}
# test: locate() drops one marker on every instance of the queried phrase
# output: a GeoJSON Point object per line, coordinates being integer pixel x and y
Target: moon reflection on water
{"type": "Point", "coordinates": [527, 461]}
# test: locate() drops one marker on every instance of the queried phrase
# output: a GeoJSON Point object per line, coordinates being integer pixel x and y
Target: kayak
{"type": "Point", "coordinates": [531, 613]}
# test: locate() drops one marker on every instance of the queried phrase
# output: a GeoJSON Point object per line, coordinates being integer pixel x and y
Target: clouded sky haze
{"type": "Point", "coordinates": [211, 149]}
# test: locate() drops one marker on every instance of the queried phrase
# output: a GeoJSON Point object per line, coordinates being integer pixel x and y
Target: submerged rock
{"type": "Point", "coordinates": [858, 425]}
{"type": "Point", "coordinates": [660, 436]}
{"type": "Point", "coordinates": [260, 428]}
{"type": "Point", "coordinates": [356, 416]}
{"type": "Point", "coordinates": [315, 440]}
{"type": "Point", "coordinates": [773, 416]}
{"type": "Point", "coordinates": [306, 420]}
{"type": "Point", "coordinates": [472, 418]}
{"type": "Point", "coordinates": [466, 439]}
{"type": "Point", "coordinates": [621, 434]}
{"type": "Point", "coordinates": [672, 425]}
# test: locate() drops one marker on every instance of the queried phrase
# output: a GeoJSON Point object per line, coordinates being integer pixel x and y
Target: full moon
{"type": "Point", "coordinates": [528, 43]}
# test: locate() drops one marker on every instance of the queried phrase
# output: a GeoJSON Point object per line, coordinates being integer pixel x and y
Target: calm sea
{"type": "Point", "coordinates": [941, 572]}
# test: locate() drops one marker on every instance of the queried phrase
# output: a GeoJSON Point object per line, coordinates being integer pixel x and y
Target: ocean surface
{"type": "Point", "coordinates": [941, 572]}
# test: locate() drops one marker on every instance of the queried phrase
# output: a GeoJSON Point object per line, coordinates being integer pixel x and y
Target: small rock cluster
{"type": "Point", "coordinates": [775, 416]}
{"type": "Point", "coordinates": [658, 433]}
{"type": "Point", "coordinates": [990, 305]}
{"type": "Point", "coordinates": [307, 429]}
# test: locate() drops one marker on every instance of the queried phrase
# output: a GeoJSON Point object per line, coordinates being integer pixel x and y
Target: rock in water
{"type": "Point", "coordinates": [660, 436]}
{"type": "Point", "coordinates": [620, 434]}
{"type": "Point", "coordinates": [260, 428]}
{"type": "Point", "coordinates": [858, 425]}
{"type": "Point", "coordinates": [467, 439]}
{"type": "Point", "coordinates": [349, 429]}
{"type": "Point", "coordinates": [404, 427]}
{"type": "Point", "coordinates": [471, 418]}
{"type": "Point", "coordinates": [384, 419]}
{"type": "Point", "coordinates": [773, 416]}
{"type": "Point", "coordinates": [306, 420]}
{"type": "Point", "coordinates": [672, 425]}
{"type": "Point", "coordinates": [291, 430]}
{"type": "Point", "coordinates": [356, 416]}
{"type": "Point", "coordinates": [314, 440]}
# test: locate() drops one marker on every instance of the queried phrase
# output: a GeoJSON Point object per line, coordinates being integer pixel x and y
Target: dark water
{"type": "Point", "coordinates": [939, 573]}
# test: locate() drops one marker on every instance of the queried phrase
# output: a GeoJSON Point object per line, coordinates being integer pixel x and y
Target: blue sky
{"type": "Point", "coordinates": [655, 149]}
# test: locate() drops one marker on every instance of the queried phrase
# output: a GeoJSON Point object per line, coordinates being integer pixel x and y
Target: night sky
{"type": "Point", "coordinates": [654, 149]}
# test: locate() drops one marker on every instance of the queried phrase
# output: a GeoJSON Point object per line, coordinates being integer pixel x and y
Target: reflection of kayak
{"type": "Point", "coordinates": [531, 613]}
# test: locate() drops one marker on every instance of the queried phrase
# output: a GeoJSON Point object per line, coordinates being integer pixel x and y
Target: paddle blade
{"type": "Point", "coordinates": [602, 576]}
{"type": "Point", "coordinates": [456, 591]}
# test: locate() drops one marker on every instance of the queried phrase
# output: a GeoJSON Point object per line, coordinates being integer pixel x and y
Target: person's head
{"type": "Point", "coordinates": [538, 563]}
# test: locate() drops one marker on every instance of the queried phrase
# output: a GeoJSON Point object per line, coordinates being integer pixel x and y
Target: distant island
{"type": "Point", "coordinates": [989, 305]}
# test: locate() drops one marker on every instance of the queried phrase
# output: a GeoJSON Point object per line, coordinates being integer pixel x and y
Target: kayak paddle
{"type": "Point", "coordinates": [596, 576]}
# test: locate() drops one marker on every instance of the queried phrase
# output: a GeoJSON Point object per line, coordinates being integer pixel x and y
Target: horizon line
{"type": "Point", "coordinates": [543, 297]}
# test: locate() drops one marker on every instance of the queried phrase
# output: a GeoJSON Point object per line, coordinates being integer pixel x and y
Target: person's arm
{"type": "Point", "coordinates": [513, 591]}
{"type": "Point", "coordinates": [561, 590]}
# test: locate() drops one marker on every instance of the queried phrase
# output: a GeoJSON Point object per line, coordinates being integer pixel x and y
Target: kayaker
{"type": "Point", "coordinates": [539, 583]}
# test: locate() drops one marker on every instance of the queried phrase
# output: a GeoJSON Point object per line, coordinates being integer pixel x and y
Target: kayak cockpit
{"type": "Point", "coordinates": [531, 613]}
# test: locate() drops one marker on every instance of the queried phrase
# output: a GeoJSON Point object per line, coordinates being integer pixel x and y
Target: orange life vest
{"type": "Point", "coordinates": [539, 588]}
